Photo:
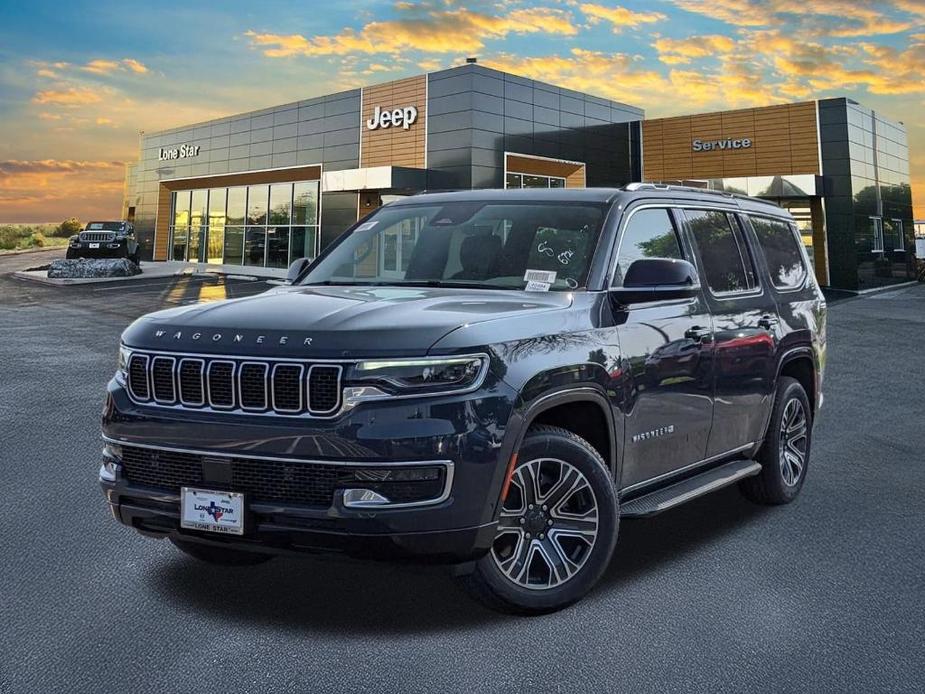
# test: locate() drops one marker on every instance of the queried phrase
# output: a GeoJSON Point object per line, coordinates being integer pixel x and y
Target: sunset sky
{"type": "Point", "coordinates": [78, 80]}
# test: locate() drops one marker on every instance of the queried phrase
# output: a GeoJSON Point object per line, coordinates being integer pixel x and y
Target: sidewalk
{"type": "Point", "coordinates": [165, 269]}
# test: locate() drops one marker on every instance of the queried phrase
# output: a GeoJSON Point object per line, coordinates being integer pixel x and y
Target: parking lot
{"type": "Point", "coordinates": [827, 594]}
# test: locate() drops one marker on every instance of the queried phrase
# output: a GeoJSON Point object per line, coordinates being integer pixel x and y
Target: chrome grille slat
{"type": "Point", "coordinates": [138, 377]}
{"type": "Point", "coordinates": [191, 382]}
{"type": "Point", "coordinates": [323, 388]}
{"type": "Point", "coordinates": [162, 380]}
{"type": "Point", "coordinates": [253, 386]}
{"type": "Point", "coordinates": [236, 385]}
{"type": "Point", "coordinates": [220, 383]}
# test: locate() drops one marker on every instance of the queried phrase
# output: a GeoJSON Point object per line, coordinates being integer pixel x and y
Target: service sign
{"type": "Point", "coordinates": [712, 145]}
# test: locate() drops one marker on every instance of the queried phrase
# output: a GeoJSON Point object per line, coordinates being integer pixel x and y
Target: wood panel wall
{"type": "Point", "coordinates": [163, 221]}
{"type": "Point", "coordinates": [395, 146]}
{"type": "Point", "coordinates": [784, 141]}
{"type": "Point", "coordinates": [572, 172]}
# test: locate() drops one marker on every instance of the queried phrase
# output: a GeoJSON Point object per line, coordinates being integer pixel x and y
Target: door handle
{"type": "Point", "coordinates": [767, 322]}
{"type": "Point", "coordinates": [697, 333]}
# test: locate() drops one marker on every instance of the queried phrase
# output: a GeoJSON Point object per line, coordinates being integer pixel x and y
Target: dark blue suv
{"type": "Point", "coordinates": [488, 378]}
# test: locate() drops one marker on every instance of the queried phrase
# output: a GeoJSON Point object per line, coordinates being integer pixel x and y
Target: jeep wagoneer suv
{"type": "Point", "coordinates": [487, 378]}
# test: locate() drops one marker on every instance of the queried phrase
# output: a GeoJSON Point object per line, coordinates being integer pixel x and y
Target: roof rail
{"type": "Point", "coordinates": [632, 187]}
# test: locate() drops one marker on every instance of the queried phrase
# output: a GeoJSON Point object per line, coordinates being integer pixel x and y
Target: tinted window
{"type": "Point", "coordinates": [782, 251]}
{"type": "Point", "coordinates": [486, 243]}
{"type": "Point", "coordinates": [648, 234]}
{"type": "Point", "coordinates": [726, 262]}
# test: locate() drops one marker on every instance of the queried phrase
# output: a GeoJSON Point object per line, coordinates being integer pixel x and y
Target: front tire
{"type": "Point", "coordinates": [784, 456]}
{"type": "Point", "coordinates": [222, 556]}
{"type": "Point", "coordinates": [557, 527]}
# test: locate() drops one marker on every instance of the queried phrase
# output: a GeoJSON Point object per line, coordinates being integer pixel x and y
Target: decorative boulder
{"type": "Point", "coordinates": [85, 268]}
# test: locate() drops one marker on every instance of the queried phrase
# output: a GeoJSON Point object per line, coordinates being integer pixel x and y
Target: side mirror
{"type": "Point", "coordinates": [657, 279]}
{"type": "Point", "coordinates": [297, 268]}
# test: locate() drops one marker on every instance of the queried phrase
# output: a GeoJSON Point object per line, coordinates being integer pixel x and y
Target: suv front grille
{"type": "Point", "coordinates": [235, 385]}
{"type": "Point", "coordinates": [97, 236]}
{"type": "Point", "coordinates": [275, 481]}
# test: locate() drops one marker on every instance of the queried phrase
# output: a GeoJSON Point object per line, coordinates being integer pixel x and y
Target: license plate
{"type": "Point", "coordinates": [214, 512]}
{"type": "Point", "coordinates": [94, 245]}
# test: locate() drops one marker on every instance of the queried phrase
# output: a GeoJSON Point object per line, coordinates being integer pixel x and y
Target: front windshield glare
{"type": "Point", "coordinates": [532, 245]}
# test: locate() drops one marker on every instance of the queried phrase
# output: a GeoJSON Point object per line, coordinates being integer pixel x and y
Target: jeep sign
{"type": "Point", "coordinates": [182, 152]}
{"type": "Point", "coordinates": [701, 146]}
{"type": "Point", "coordinates": [387, 118]}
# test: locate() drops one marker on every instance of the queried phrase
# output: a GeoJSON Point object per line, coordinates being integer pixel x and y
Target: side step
{"type": "Point", "coordinates": [676, 494]}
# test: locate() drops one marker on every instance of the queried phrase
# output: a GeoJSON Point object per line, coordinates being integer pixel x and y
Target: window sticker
{"type": "Point", "coordinates": [366, 226]}
{"type": "Point", "coordinates": [547, 276]}
{"type": "Point", "coordinates": [535, 286]}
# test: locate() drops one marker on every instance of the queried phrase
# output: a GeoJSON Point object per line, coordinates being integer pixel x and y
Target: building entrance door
{"type": "Point", "coordinates": [213, 250]}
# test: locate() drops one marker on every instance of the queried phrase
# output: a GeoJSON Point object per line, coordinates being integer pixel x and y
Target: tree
{"type": "Point", "coordinates": [68, 227]}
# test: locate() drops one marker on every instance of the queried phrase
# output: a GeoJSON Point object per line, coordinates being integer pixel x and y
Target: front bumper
{"type": "Point", "coordinates": [465, 431]}
{"type": "Point", "coordinates": [104, 250]}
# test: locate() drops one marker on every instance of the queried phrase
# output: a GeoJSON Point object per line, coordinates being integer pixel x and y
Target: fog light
{"type": "Point", "coordinates": [108, 470]}
{"type": "Point", "coordinates": [362, 498]}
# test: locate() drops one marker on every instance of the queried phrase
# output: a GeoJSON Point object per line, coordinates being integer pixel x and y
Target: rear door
{"type": "Point", "coordinates": [745, 329]}
{"type": "Point", "coordinates": [666, 348]}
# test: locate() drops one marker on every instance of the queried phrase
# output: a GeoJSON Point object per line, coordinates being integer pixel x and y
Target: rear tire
{"type": "Point", "coordinates": [222, 556]}
{"type": "Point", "coordinates": [784, 456]}
{"type": "Point", "coordinates": [554, 541]}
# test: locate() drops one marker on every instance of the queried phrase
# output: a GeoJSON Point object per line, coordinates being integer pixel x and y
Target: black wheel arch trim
{"type": "Point", "coordinates": [522, 417]}
{"type": "Point", "coordinates": [789, 355]}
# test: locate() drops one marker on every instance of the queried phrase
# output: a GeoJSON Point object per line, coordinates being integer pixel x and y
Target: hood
{"type": "Point", "coordinates": [333, 322]}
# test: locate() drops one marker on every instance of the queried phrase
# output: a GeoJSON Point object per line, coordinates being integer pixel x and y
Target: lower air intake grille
{"type": "Point", "coordinates": [272, 481]}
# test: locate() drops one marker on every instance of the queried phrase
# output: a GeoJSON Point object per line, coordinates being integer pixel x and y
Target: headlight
{"type": "Point", "coordinates": [421, 376]}
{"type": "Point", "coordinates": [122, 364]}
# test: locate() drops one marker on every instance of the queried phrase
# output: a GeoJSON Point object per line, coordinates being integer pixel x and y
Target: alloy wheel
{"type": "Point", "coordinates": [793, 439]}
{"type": "Point", "coordinates": [548, 524]}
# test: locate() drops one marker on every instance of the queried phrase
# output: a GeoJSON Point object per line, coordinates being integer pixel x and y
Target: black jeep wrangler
{"type": "Point", "coordinates": [104, 240]}
{"type": "Point", "coordinates": [488, 378]}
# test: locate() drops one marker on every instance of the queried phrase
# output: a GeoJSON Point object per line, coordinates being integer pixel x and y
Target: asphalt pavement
{"type": "Point", "coordinates": [827, 594]}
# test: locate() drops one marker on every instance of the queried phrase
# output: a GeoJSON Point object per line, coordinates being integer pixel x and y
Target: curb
{"type": "Point", "coordinates": [10, 254]}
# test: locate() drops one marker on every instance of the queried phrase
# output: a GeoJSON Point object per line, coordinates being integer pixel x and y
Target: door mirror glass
{"type": "Point", "coordinates": [297, 268]}
{"type": "Point", "coordinates": [655, 279]}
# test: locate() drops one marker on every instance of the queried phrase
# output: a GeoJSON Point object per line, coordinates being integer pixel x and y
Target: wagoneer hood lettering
{"type": "Point", "coordinates": [332, 321]}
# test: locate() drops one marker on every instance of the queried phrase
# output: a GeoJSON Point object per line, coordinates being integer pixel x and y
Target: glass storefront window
{"type": "Point", "coordinates": [237, 203]}
{"type": "Point", "coordinates": [516, 180]}
{"type": "Point", "coordinates": [278, 246]}
{"type": "Point", "coordinates": [280, 203]}
{"type": "Point", "coordinates": [181, 218]}
{"type": "Point", "coordinates": [234, 245]}
{"type": "Point", "coordinates": [216, 237]}
{"type": "Point", "coordinates": [305, 203]}
{"type": "Point", "coordinates": [260, 225]}
{"type": "Point", "coordinates": [257, 204]}
{"type": "Point", "coordinates": [302, 243]}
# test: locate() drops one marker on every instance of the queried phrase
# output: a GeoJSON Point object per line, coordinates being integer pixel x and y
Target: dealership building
{"type": "Point", "coordinates": [266, 187]}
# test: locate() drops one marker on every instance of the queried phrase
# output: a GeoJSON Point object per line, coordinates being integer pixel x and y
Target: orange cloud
{"type": "Point", "coordinates": [49, 189]}
{"type": "Point", "coordinates": [678, 51]}
{"type": "Point", "coordinates": [620, 17]}
{"type": "Point", "coordinates": [445, 31]}
{"type": "Point", "coordinates": [102, 66]}
{"type": "Point", "coordinates": [67, 96]}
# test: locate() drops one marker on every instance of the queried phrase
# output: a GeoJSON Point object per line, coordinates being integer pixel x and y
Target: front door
{"type": "Point", "coordinates": [745, 329]}
{"type": "Point", "coordinates": [667, 354]}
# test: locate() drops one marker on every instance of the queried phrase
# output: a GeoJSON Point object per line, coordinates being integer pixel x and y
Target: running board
{"type": "Point", "coordinates": [680, 492]}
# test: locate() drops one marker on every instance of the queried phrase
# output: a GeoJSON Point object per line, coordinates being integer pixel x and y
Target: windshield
{"type": "Point", "coordinates": [104, 226]}
{"type": "Point", "coordinates": [532, 245]}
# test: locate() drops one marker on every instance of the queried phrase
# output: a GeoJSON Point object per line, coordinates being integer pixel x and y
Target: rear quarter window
{"type": "Point", "coordinates": [781, 248]}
